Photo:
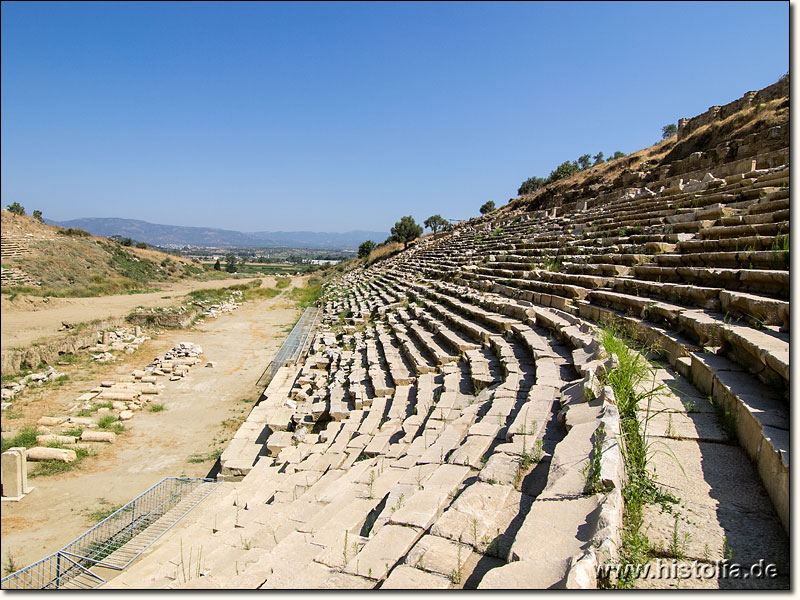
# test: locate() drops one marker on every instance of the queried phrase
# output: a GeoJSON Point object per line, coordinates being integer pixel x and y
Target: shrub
{"type": "Point", "coordinates": [74, 231]}
{"type": "Point", "coordinates": [667, 131]}
{"type": "Point", "coordinates": [37, 214]}
{"type": "Point", "coordinates": [365, 248]}
{"type": "Point", "coordinates": [16, 208]}
{"type": "Point", "coordinates": [487, 207]}
{"type": "Point", "coordinates": [531, 184]}
{"type": "Point", "coordinates": [565, 169]}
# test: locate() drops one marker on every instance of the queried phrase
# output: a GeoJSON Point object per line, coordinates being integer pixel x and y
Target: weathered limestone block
{"type": "Point", "coordinates": [98, 436]}
{"type": "Point", "coordinates": [51, 421]}
{"type": "Point", "coordinates": [420, 510]}
{"type": "Point", "coordinates": [472, 516]}
{"type": "Point", "coordinates": [383, 551]}
{"type": "Point", "coordinates": [14, 473]}
{"type": "Point", "coordinates": [404, 577]}
{"type": "Point", "coordinates": [501, 469]}
{"type": "Point", "coordinates": [438, 555]}
{"type": "Point", "coordinates": [59, 454]}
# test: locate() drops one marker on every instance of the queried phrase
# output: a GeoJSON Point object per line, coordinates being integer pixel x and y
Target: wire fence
{"type": "Point", "coordinates": [100, 546]}
{"type": "Point", "coordinates": [293, 346]}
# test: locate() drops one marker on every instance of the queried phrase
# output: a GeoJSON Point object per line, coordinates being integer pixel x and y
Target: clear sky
{"type": "Point", "coordinates": [340, 116]}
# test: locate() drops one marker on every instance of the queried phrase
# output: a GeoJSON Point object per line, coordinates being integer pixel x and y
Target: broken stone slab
{"type": "Point", "coordinates": [420, 510]}
{"type": "Point", "coordinates": [98, 436]}
{"type": "Point", "coordinates": [438, 555]}
{"type": "Point", "coordinates": [39, 453]}
{"type": "Point", "coordinates": [471, 518]}
{"type": "Point", "coordinates": [404, 577]}
{"type": "Point", "coordinates": [471, 451]}
{"type": "Point", "coordinates": [277, 441]}
{"type": "Point", "coordinates": [500, 469]}
{"type": "Point", "coordinates": [125, 415]}
{"type": "Point", "coordinates": [51, 421]}
{"type": "Point", "coordinates": [525, 575]}
{"type": "Point", "coordinates": [382, 552]}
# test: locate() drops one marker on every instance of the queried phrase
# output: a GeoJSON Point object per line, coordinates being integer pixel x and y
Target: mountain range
{"type": "Point", "coordinates": [163, 235]}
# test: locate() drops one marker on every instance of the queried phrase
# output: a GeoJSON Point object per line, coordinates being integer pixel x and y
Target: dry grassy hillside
{"type": "Point", "coordinates": [44, 260]}
{"type": "Point", "coordinates": [726, 138]}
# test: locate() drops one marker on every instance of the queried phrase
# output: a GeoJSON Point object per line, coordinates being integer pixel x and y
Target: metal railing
{"type": "Point", "coordinates": [293, 346]}
{"type": "Point", "coordinates": [69, 567]}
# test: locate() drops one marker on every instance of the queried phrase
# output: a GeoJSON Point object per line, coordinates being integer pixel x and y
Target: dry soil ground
{"type": "Point", "coordinates": [201, 413]}
{"type": "Point", "coordinates": [29, 318]}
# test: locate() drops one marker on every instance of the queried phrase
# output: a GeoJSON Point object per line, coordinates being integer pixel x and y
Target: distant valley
{"type": "Point", "coordinates": [165, 235]}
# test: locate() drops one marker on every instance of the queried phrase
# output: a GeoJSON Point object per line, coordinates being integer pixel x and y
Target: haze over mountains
{"type": "Point", "coordinates": [163, 235]}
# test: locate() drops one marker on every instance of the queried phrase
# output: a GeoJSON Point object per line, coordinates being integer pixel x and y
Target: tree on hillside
{"type": "Point", "coordinates": [531, 184]}
{"type": "Point", "coordinates": [667, 131]}
{"type": "Point", "coordinates": [16, 208]}
{"type": "Point", "coordinates": [585, 161]}
{"type": "Point", "coordinates": [617, 154]}
{"type": "Point", "coordinates": [406, 230]}
{"type": "Point", "coordinates": [365, 249]}
{"type": "Point", "coordinates": [565, 169]}
{"type": "Point", "coordinates": [217, 266]}
{"type": "Point", "coordinates": [435, 223]}
{"type": "Point", "coordinates": [37, 214]}
{"type": "Point", "coordinates": [487, 207]}
{"type": "Point", "coordinates": [599, 159]}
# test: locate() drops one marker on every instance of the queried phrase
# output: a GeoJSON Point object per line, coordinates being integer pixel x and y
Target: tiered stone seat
{"type": "Point", "coordinates": [440, 432]}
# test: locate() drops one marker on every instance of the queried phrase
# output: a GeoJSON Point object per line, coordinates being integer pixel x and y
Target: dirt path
{"type": "Point", "coordinates": [29, 318]}
{"type": "Point", "coordinates": [201, 413]}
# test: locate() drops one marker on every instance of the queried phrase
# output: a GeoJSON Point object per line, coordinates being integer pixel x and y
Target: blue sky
{"type": "Point", "coordinates": [340, 116]}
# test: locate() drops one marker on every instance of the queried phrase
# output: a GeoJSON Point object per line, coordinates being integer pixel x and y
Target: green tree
{"type": "Point", "coordinates": [406, 230]}
{"type": "Point", "coordinates": [230, 265]}
{"type": "Point", "coordinates": [141, 245]}
{"type": "Point", "coordinates": [531, 184]}
{"type": "Point", "coordinates": [618, 154]}
{"type": "Point", "coordinates": [435, 223]}
{"type": "Point", "coordinates": [16, 208]}
{"type": "Point", "coordinates": [585, 161]}
{"type": "Point", "coordinates": [365, 249]}
{"type": "Point", "coordinates": [487, 207]}
{"type": "Point", "coordinates": [565, 169]}
{"type": "Point", "coordinates": [667, 131]}
{"type": "Point", "coordinates": [599, 159]}
{"type": "Point", "coordinates": [37, 214]}
{"type": "Point", "coordinates": [217, 266]}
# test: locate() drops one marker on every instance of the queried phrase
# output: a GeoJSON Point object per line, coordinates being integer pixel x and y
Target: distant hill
{"type": "Point", "coordinates": [162, 235]}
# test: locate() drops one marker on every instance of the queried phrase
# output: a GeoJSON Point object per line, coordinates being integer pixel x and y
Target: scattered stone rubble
{"type": "Point", "coordinates": [125, 339]}
{"type": "Point", "coordinates": [121, 399]}
{"type": "Point", "coordinates": [12, 388]}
